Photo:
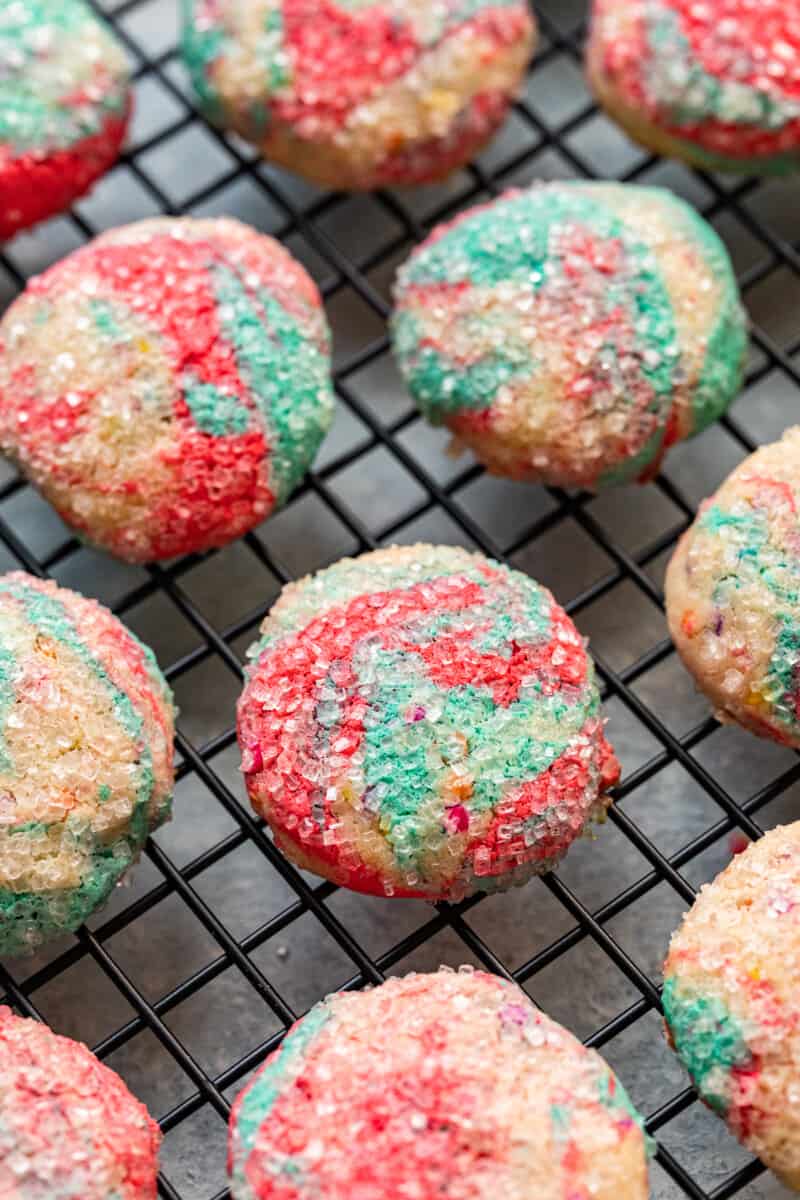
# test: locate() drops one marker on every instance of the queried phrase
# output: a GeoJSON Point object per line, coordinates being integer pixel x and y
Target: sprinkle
{"type": "Point", "coordinates": [458, 816]}
{"type": "Point", "coordinates": [689, 623]}
{"type": "Point", "coordinates": [252, 759]}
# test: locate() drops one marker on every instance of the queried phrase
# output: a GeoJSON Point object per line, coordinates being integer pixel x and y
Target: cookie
{"type": "Point", "coordinates": [69, 1127]}
{"type": "Point", "coordinates": [732, 998]}
{"type": "Point", "coordinates": [430, 1085]}
{"type": "Point", "coordinates": [167, 385]}
{"type": "Point", "coordinates": [733, 594]}
{"type": "Point", "coordinates": [355, 94]}
{"type": "Point", "coordinates": [715, 84]}
{"type": "Point", "coordinates": [422, 721]}
{"type": "Point", "coordinates": [86, 727]}
{"type": "Point", "coordinates": [570, 333]}
{"type": "Point", "coordinates": [64, 107]}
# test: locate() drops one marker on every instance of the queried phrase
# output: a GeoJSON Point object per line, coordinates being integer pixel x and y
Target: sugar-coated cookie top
{"type": "Point", "coordinates": [69, 1127]}
{"type": "Point", "coordinates": [86, 729]}
{"type": "Point", "coordinates": [358, 94]}
{"type": "Point", "coordinates": [732, 997]}
{"type": "Point", "coordinates": [431, 1084]}
{"type": "Point", "coordinates": [423, 721]}
{"type": "Point", "coordinates": [62, 76]}
{"type": "Point", "coordinates": [733, 592]}
{"type": "Point", "coordinates": [571, 332]}
{"type": "Point", "coordinates": [318, 64]}
{"type": "Point", "coordinates": [168, 384]}
{"type": "Point", "coordinates": [724, 76]}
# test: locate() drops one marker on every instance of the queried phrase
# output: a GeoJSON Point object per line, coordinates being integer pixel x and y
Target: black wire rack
{"type": "Point", "coordinates": [536, 527]}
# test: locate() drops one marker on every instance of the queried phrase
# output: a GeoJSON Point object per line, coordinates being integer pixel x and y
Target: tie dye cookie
{"type": "Point", "coordinates": [422, 721]}
{"type": "Point", "coordinates": [732, 998]}
{"type": "Point", "coordinates": [449, 1084]}
{"type": "Point", "coordinates": [167, 385]}
{"type": "Point", "coordinates": [733, 594]}
{"type": "Point", "coordinates": [715, 83]}
{"type": "Point", "coordinates": [64, 106]}
{"type": "Point", "coordinates": [86, 727]}
{"type": "Point", "coordinates": [570, 333]}
{"type": "Point", "coordinates": [69, 1127]}
{"type": "Point", "coordinates": [358, 94]}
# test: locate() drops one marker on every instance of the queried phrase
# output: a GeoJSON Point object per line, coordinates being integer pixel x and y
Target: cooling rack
{"type": "Point", "coordinates": [195, 970]}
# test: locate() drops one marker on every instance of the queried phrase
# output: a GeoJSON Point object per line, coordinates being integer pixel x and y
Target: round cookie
{"type": "Point", "coordinates": [733, 594]}
{"type": "Point", "coordinates": [69, 1127]}
{"type": "Point", "coordinates": [422, 721]}
{"type": "Point", "coordinates": [86, 727]}
{"type": "Point", "coordinates": [732, 998]}
{"type": "Point", "coordinates": [431, 1085]}
{"type": "Point", "coordinates": [64, 106]}
{"type": "Point", "coordinates": [167, 385]}
{"type": "Point", "coordinates": [715, 84]}
{"type": "Point", "coordinates": [359, 94]}
{"type": "Point", "coordinates": [570, 333]}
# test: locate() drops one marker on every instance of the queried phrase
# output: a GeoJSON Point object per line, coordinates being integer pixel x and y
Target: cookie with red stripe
{"type": "Point", "coordinates": [360, 94]}
{"type": "Point", "coordinates": [168, 385]}
{"type": "Point", "coordinates": [715, 84]}
{"type": "Point", "coordinates": [86, 732]}
{"type": "Point", "coordinates": [449, 1084]}
{"type": "Point", "coordinates": [422, 721]}
{"type": "Point", "coordinates": [732, 998]}
{"type": "Point", "coordinates": [69, 1127]}
{"type": "Point", "coordinates": [64, 107]}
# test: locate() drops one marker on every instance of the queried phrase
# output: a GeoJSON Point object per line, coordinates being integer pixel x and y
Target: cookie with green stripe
{"type": "Point", "coordinates": [570, 333]}
{"type": "Point", "coordinates": [423, 722]}
{"type": "Point", "coordinates": [168, 385]}
{"type": "Point", "coordinates": [64, 107]}
{"type": "Point", "coordinates": [86, 747]}
{"type": "Point", "coordinates": [732, 998]}
{"type": "Point", "coordinates": [360, 94]}
{"type": "Point", "coordinates": [733, 594]}
{"type": "Point", "coordinates": [717, 85]}
{"type": "Point", "coordinates": [450, 1084]}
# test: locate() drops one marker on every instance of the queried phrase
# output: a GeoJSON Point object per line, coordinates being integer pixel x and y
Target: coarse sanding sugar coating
{"type": "Point", "coordinates": [732, 998]}
{"type": "Point", "coordinates": [714, 82]}
{"type": "Point", "coordinates": [448, 1084]}
{"type": "Point", "coordinates": [360, 94]}
{"type": "Point", "coordinates": [733, 594]}
{"type": "Point", "coordinates": [86, 728]}
{"type": "Point", "coordinates": [167, 385]}
{"type": "Point", "coordinates": [570, 333]}
{"type": "Point", "coordinates": [422, 721]}
{"type": "Point", "coordinates": [64, 104]}
{"type": "Point", "coordinates": [69, 1127]}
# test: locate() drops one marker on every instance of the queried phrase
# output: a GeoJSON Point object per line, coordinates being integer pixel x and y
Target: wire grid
{"type": "Point", "coordinates": [585, 925]}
